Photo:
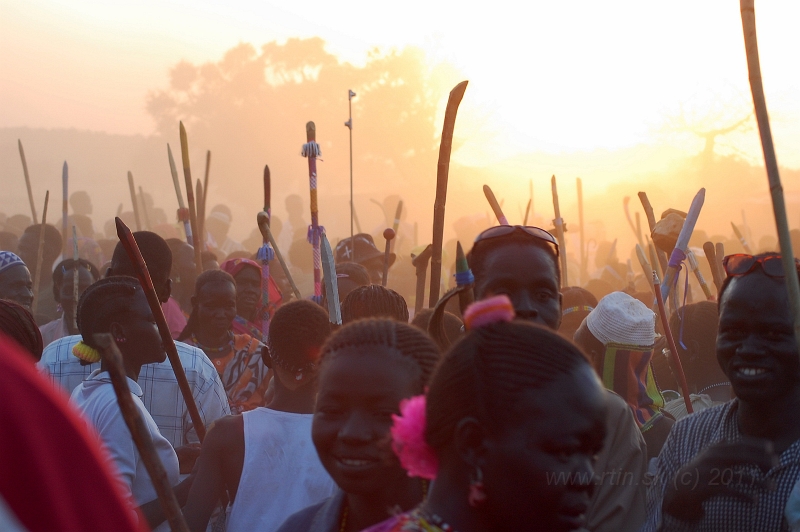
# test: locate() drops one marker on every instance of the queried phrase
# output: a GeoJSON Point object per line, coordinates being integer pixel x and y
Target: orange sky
{"type": "Point", "coordinates": [554, 77]}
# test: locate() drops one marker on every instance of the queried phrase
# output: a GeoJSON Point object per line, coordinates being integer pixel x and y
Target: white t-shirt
{"type": "Point", "coordinates": [96, 399]}
{"type": "Point", "coordinates": [281, 473]}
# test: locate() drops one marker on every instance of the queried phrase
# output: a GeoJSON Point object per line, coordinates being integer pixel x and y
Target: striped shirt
{"type": "Point", "coordinates": [161, 395]}
{"type": "Point", "coordinates": [722, 513]}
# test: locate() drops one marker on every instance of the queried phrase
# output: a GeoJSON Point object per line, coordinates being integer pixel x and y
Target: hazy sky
{"type": "Point", "coordinates": [544, 76]}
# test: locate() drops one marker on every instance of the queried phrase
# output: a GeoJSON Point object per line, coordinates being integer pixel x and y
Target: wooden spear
{"type": "Point", "coordinates": [139, 432]}
{"type": "Point", "coordinates": [396, 224]}
{"type": "Point", "coordinates": [64, 206]}
{"type": "Point", "coordinates": [742, 239]}
{"type": "Point", "coordinates": [263, 226]}
{"type": "Point", "coordinates": [442, 172]}
{"type": "Point", "coordinates": [200, 194]}
{"type": "Point", "coordinates": [187, 175]}
{"type": "Point", "coordinates": [75, 278]}
{"type": "Point", "coordinates": [770, 160]}
{"type": "Point", "coordinates": [205, 183]}
{"type": "Point", "coordinates": [183, 212]}
{"type": "Point", "coordinates": [39, 252]}
{"type": "Point", "coordinates": [27, 182]}
{"type": "Point", "coordinates": [559, 225]}
{"type": "Point", "coordinates": [146, 215]}
{"type": "Point", "coordinates": [711, 256]}
{"type": "Point", "coordinates": [583, 258]}
{"type": "Point", "coordinates": [143, 274]}
{"type": "Point", "coordinates": [496, 208]}
{"type": "Point", "coordinates": [674, 358]}
{"type": "Point", "coordinates": [134, 202]}
{"type": "Point", "coordinates": [388, 235]}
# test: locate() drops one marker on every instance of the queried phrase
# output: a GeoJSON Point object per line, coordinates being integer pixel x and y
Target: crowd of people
{"type": "Point", "coordinates": [537, 406]}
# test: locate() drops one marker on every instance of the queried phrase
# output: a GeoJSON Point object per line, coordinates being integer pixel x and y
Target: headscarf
{"type": "Point", "coordinates": [18, 323]}
{"type": "Point", "coordinates": [254, 327]}
{"type": "Point", "coordinates": [9, 259]}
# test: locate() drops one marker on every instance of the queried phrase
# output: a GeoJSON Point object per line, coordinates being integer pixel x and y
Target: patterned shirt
{"type": "Point", "coordinates": [162, 397]}
{"type": "Point", "coordinates": [722, 513]}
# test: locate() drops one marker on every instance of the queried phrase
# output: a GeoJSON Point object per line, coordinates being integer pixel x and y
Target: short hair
{"type": "Point", "coordinates": [52, 238]}
{"type": "Point", "coordinates": [205, 278]}
{"type": "Point", "coordinates": [484, 373]}
{"type": "Point", "coordinates": [374, 301]}
{"type": "Point", "coordinates": [355, 272]}
{"type": "Point", "coordinates": [68, 265]}
{"type": "Point", "coordinates": [155, 252]}
{"type": "Point", "coordinates": [102, 302]}
{"type": "Point", "coordinates": [481, 250]}
{"type": "Point", "coordinates": [297, 328]}
{"type": "Point", "coordinates": [17, 323]}
{"type": "Point", "coordinates": [696, 323]}
{"type": "Point", "coordinates": [401, 338]}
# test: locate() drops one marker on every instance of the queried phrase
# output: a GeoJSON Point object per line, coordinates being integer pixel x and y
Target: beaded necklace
{"type": "Point", "coordinates": [214, 350]}
{"type": "Point", "coordinates": [346, 509]}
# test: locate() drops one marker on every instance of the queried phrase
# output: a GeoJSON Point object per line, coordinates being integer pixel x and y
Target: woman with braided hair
{"type": "Point", "coordinates": [367, 370]}
{"type": "Point", "coordinates": [237, 357]}
{"type": "Point", "coordinates": [118, 306]}
{"type": "Point", "coordinates": [510, 429]}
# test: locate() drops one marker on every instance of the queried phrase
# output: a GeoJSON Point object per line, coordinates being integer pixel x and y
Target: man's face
{"type": "Point", "coordinates": [16, 285]}
{"type": "Point", "coordinates": [66, 299]}
{"type": "Point", "coordinates": [528, 276]}
{"type": "Point", "coordinates": [756, 345]}
{"type": "Point", "coordinates": [183, 269]}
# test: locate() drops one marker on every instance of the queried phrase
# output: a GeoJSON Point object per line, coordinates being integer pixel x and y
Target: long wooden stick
{"type": "Point", "coordinates": [651, 223]}
{"type": "Point", "coordinates": [64, 206]}
{"type": "Point", "coordinates": [420, 263]}
{"type": "Point", "coordinates": [396, 224]}
{"type": "Point", "coordinates": [75, 278]}
{"type": "Point", "coordinates": [770, 160]}
{"type": "Point", "coordinates": [559, 224]}
{"type": "Point", "coordinates": [37, 274]}
{"type": "Point", "coordinates": [311, 151]}
{"type": "Point", "coordinates": [742, 239]}
{"type": "Point", "coordinates": [263, 226]}
{"type": "Point", "coordinates": [388, 235]}
{"type": "Point", "coordinates": [496, 208]}
{"type": "Point", "coordinates": [205, 184]}
{"type": "Point", "coordinates": [27, 182]}
{"type": "Point", "coordinates": [583, 258]}
{"type": "Point", "coordinates": [139, 432]}
{"type": "Point", "coordinates": [183, 212]}
{"type": "Point", "coordinates": [187, 176]}
{"type": "Point", "coordinates": [711, 256]}
{"type": "Point", "coordinates": [675, 358]}
{"type": "Point", "coordinates": [145, 212]}
{"type": "Point", "coordinates": [442, 173]}
{"type": "Point", "coordinates": [143, 274]}
{"type": "Point", "coordinates": [200, 194]}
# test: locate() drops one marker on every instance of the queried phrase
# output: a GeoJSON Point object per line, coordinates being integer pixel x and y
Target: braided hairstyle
{"type": "Point", "coordinates": [207, 277]}
{"type": "Point", "coordinates": [481, 250]}
{"type": "Point", "coordinates": [69, 265]}
{"type": "Point", "coordinates": [297, 331]}
{"type": "Point", "coordinates": [102, 303]}
{"type": "Point", "coordinates": [484, 374]}
{"type": "Point", "coordinates": [401, 338]}
{"type": "Point", "coordinates": [17, 323]}
{"type": "Point", "coordinates": [374, 301]}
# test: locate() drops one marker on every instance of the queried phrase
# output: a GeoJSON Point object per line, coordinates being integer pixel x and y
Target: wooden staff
{"type": "Point", "coordinates": [139, 432]}
{"type": "Point", "coordinates": [527, 213]}
{"type": "Point", "coordinates": [135, 203]}
{"type": "Point", "coordinates": [200, 194]}
{"type": "Point", "coordinates": [496, 208]}
{"type": "Point", "coordinates": [674, 358]}
{"type": "Point", "coordinates": [311, 151]}
{"type": "Point", "coordinates": [205, 184]}
{"type": "Point", "coordinates": [442, 172]}
{"type": "Point", "coordinates": [263, 226]}
{"type": "Point", "coordinates": [647, 269]}
{"type": "Point", "coordinates": [711, 256]}
{"type": "Point", "coordinates": [143, 274]}
{"type": "Point", "coordinates": [698, 274]}
{"type": "Point", "coordinates": [187, 176]}
{"type": "Point", "coordinates": [584, 259]}
{"type": "Point", "coordinates": [682, 245]}
{"type": "Point", "coordinates": [396, 224]}
{"type": "Point", "coordinates": [771, 162]}
{"type": "Point", "coordinates": [75, 278]}
{"type": "Point", "coordinates": [266, 253]}
{"type": "Point", "coordinates": [27, 182]}
{"type": "Point", "coordinates": [651, 223]}
{"type": "Point", "coordinates": [389, 235]}
{"type": "Point", "coordinates": [145, 212]}
{"type": "Point", "coordinates": [559, 225]}
{"type": "Point", "coordinates": [742, 239]}
{"type": "Point", "coordinates": [420, 263]}
{"type": "Point", "coordinates": [64, 206]}
{"type": "Point", "coordinates": [39, 252]}
{"type": "Point", "coordinates": [183, 212]}
{"type": "Point", "coordinates": [720, 249]}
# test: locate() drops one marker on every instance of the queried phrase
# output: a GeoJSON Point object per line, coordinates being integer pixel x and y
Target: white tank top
{"type": "Point", "coordinates": [281, 474]}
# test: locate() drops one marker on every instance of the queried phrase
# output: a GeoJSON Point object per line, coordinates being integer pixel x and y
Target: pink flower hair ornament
{"type": "Point", "coordinates": [408, 439]}
{"type": "Point", "coordinates": [488, 311]}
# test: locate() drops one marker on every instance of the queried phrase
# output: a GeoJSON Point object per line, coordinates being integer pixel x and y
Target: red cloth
{"type": "Point", "coordinates": [52, 470]}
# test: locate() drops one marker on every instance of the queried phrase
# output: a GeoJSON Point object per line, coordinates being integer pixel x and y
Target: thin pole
{"type": "Point", "coordinates": [770, 160]}
{"type": "Point", "coordinates": [64, 206]}
{"type": "Point", "coordinates": [349, 125]}
{"type": "Point", "coordinates": [584, 264]}
{"type": "Point", "coordinates": [27, 182]}
{"type": "Point", "coordinates": [37, 274]}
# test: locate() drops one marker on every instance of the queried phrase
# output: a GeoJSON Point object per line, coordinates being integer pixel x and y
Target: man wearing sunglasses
{"type": "Point", "coordinates": [522, 263]}
{"type": "Point", "coordinates": [733, 466]}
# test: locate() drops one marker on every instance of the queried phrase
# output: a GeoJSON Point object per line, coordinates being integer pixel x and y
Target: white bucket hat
{"type": "Point", "coordinates": [622, 319]}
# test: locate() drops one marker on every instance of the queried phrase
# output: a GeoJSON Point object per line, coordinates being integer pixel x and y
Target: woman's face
{"type": "Point", "coordinates": [139, 329]}
{"type": "Point", "coordinates": [248, 291]}
{"type": "Point", "coordinates": [359, 390]}
{"type": "Point", "coordinates": [548, 450]}
{"type": "Point", "coordinates": [216, 307]}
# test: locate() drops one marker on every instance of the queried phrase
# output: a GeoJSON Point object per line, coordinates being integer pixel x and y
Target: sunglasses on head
{"type": "Point", "coordinates": [506, 230]}
{"type": "Point", "coordinates": [742, 264]}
